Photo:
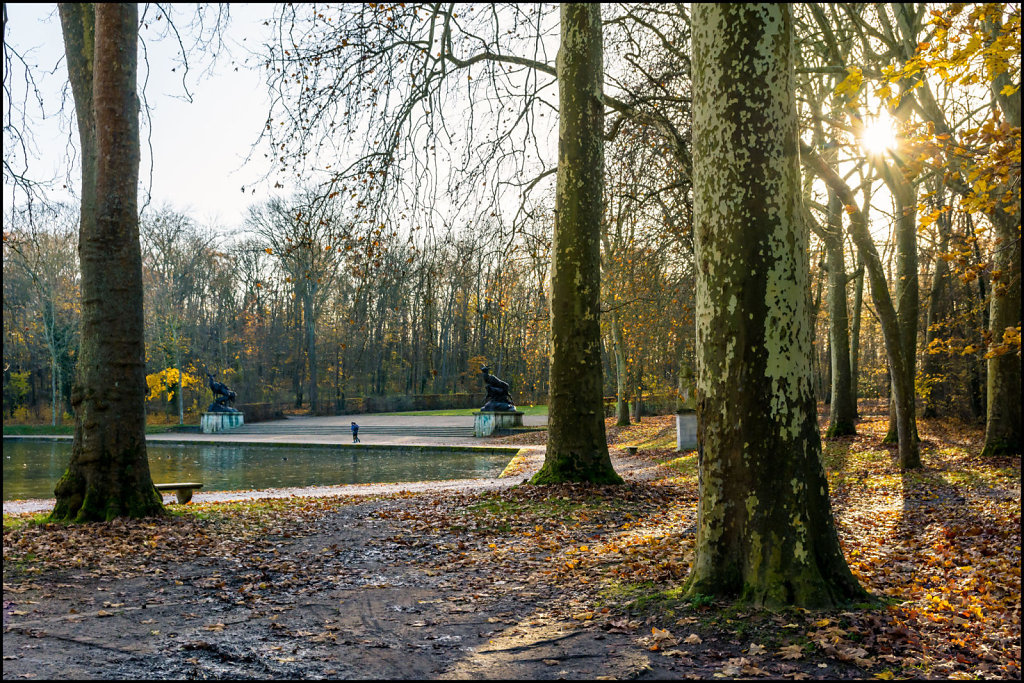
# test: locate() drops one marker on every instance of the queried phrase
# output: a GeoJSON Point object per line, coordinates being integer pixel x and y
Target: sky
{"type": "Point", "coordinates": [198, 148]}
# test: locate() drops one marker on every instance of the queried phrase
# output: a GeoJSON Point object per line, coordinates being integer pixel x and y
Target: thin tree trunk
{"type": "Point", "coordinates": [618, 349]}
{"type": "Point", "coordinates": [908, 304]}
{"type": "Point", "coordinates": [843, 410]}
{"type": "Point", "coordinates": [858, 303]}
{"type": "Point", "coordinates": [1002, 416]}
{"type": "Point", "coordinates": [902, 384]}
{"type": "Point", "coordinates": [577, 446]}
{"type": "Point", "coordinates": [937, 309]}
{"type": "Point", "coordinates": [310, 324]}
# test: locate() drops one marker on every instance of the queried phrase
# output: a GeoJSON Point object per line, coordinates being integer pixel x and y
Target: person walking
{"type": "Point", "coordinates": [355, 433]}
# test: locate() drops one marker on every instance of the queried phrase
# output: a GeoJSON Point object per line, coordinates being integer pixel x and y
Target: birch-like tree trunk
{"type": "Point", "coordinates": [765, 528]}
{"type": "Point", "coordinates": [577, 446]}
{"type": "Point", "coordinates": [619, 350]}
{"type": "Point", "coordinates": [858, 307]}
{"type": "Point", "coordinates": [907, 305]}
{"type": "Point", "coordinates": [108, 475]}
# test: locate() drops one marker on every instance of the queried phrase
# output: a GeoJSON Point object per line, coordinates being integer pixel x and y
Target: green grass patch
{"type": "Point", "coordinates": [616, 593]}
{"type": "Point", "coordinates": [685, 465]}
{"type": "Point", "coordinates": [503, 513]}
{"type": "Point", "coordinates": [68, 430]}
{"type": "Point", "coordinates": [12, 522]}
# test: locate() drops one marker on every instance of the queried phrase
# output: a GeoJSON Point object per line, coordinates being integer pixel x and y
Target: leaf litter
{"type": "Point", "coordinates": [939, 548]}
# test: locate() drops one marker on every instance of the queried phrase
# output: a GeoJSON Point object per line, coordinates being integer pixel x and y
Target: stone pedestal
{"type": "Point", "coordinates": [212, 423]}
{"type": "Point", "coordinates": [487, 422]}
{"type": "Point", "coordinates": [686, 430]}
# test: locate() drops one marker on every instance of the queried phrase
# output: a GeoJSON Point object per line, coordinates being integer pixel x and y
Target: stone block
{"type": "Point", "coordinates": [211, 423]}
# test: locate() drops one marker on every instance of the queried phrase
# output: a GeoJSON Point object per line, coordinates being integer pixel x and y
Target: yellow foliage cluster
{"type": "Point", "coordinates": [162, 384]}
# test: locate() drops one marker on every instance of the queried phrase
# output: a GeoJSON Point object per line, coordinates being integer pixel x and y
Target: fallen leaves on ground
{"type": "Point", "coordinates": [940, 548]}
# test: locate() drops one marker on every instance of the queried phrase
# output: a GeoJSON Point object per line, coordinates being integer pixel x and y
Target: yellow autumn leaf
{"type": "Point", "coordinates": [791, 652]}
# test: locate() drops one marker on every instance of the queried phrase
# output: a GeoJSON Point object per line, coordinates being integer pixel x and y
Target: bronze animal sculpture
{"type": "Point", "coordinates": [222, 396]}
{"type": "Point", "coordinates": [497, 393]}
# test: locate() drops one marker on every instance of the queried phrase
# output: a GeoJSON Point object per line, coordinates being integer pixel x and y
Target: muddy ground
{"type": "Point", "coordinates": [376, 611]}
{"type": "Point", "coordinates": [504, 581]}
{"type": "Point", "coordinates": [380, 604]}
{"type": "Point", "coordinates": [359, 592]}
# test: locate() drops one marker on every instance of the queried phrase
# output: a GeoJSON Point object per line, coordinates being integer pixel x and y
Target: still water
{"type": "Point", "coordinates": [32, 467]}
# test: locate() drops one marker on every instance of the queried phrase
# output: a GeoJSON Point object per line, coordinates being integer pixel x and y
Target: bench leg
{"type": "Point", "coordinates": [184, 495]}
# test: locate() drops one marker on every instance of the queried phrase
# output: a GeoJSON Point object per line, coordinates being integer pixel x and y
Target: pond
{"type": "Point", "coordinates": [33, 466]}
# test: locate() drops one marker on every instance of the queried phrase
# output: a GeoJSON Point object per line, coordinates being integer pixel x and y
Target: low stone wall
{"type": "Point", "coordinates": [261, 412]}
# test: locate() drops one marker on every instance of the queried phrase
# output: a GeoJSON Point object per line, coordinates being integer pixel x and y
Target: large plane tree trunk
{"type": "Point", "coordinates": [108, 475]}
{"type": "Point", "coordinates": [765, 528]}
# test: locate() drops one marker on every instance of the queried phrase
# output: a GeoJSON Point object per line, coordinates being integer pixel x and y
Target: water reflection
{"type": "Point", "coordinates": [32, 467]}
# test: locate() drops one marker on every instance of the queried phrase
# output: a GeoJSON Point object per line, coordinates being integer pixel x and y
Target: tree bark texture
{"type": "Point", "coordinates": [908, 306]}
{"type": "Point", "coordinates": [1002, 417]}
{"type": "Point", "coordinates": [858, 301]}
{"type": "Point", "coordinates": [843, 412]}
{"type": "Point", "coordinates": [577, 446]}
{"type": "Point", "coordinates": [108, 475]}
{"type": "Point", "coordinates": [765, 528]}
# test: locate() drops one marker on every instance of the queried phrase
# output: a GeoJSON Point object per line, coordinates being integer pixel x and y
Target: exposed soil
{"type": "Point", "coordinates": [496, 583]}
{"type": "Point", "coordinates": [380, 606]}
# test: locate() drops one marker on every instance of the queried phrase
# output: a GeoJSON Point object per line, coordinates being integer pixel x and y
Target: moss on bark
{"type": "Point", "coordinates": [765, 532]}
{"type": "Point", "coordinates": [577, 448]}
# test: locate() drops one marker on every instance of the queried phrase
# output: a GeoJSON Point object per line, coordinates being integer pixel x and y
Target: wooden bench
{"type": "Point", "coordinates": [184, 489]}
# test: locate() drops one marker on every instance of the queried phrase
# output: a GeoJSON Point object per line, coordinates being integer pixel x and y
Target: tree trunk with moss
{"type": "Point", "coordinates": [108, 475]}
{"type": "Point", "coordinates": [577, 447]}
{"type": "Point", "coordinates": [907, 305]}
{"type": "Point", "coordinates": [765, 528]}
{"type": "Point", "coordinates": [1002, 418]}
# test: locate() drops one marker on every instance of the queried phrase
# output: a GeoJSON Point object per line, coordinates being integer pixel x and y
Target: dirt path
{"type": "Point", "coordinates": [374, 601]}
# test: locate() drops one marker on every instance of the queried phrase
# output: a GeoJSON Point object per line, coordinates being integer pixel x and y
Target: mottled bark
{"type": "Point", "coordinates": [1002, 416]}
{"type": "Point", "coordinates": [108, 475]}
{"type": "Point", "coordinates": [765, 529]}
{"type": "Point", "coordinates": [577, 448]}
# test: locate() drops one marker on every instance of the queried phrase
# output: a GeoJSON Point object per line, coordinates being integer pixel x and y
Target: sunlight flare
{"type": "Point", "coordinates": [879, 134]}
